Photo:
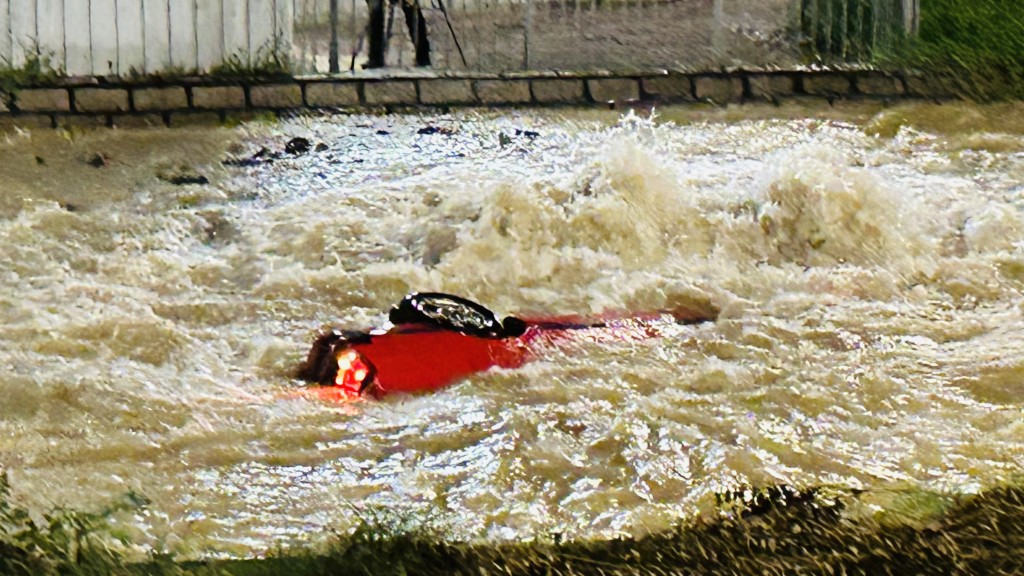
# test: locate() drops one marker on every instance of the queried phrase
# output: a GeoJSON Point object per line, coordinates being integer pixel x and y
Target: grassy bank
{"type": "Point", "coordinates": [974, 47]}
{"type": "Point", "coordinates": [778, 531]}
{"type": "Point", "coordinates": [62, 541]}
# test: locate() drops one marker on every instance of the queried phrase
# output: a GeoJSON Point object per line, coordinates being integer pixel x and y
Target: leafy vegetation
{"type": "Point", "coordinates": [971, 48]}
{"type": "Point", "coordinates": [975, 48]}
{"type": "Point", "coordinates": [64, 542]}
{"type": "Point", "coordinates": [266, 63]}
{"type": "Point", "coordinates": [38, 69]}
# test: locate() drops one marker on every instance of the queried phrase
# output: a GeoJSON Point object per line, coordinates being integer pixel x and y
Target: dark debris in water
{"type": "Point", "coordinates": [518, 136]}
{"type": "Point", "coordinates": [297, 146]}
{"type": "Point", "coordinates": [294, 148]}
{"type": "Point", "coordinates": [216, 229]}
{"type": "Point", "coordinates": [98, 160]}
{"type": "Point", "coordinates": [430, 130]}
{"type": "Point", "coordinates": [189, 179]}
{"type": "Point", "coordinates": [182, 176]}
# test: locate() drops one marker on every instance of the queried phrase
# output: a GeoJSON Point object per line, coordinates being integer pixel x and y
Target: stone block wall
{"type": "Point", "coordinates": [193, 100]}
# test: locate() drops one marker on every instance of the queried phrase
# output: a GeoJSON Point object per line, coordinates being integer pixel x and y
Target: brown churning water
{"type": "Point", "coordinates": [870, 334]}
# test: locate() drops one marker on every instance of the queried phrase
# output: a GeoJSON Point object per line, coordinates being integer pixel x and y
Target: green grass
{"type": "Point", "coordinates": [63, 541]}
{"type": "Point", "coordinates": [268, 62]}
{"type": "Point", "coordinates": [38, 69]}
{"type": "Point", "coordinates": [778, 532]}
{"type": "Point", "coordinates": [970, 48]}
{"type": "Point", "coordinates": [975, 48]}
{"type": "Point", "coordinates": [774, 531]}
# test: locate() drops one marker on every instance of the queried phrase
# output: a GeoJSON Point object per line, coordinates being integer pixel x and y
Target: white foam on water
{"type": "Point", "coordinates": [870, 320]}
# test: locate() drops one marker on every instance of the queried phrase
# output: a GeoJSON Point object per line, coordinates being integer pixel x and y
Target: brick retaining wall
{"type": "Point", "coordinates": [90, 102]}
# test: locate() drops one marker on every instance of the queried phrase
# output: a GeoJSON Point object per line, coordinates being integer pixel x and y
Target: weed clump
{"type": "Point", "coordinates": [65, 542]}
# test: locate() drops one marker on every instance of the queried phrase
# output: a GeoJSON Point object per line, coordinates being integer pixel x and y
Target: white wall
{"type": "Point", "coordinates": [122, 37]}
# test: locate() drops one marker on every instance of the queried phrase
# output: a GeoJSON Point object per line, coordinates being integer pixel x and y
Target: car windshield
{"type": "Point", "coordinates": [447, 312]}
{"type": "Point", "coordinates": [456, 314]}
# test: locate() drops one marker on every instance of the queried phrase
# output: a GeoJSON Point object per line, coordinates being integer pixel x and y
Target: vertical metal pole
{"type": "Point", "coordinates": [335, 66]}
{"type": "Point", "coordinates": [841, 31]}
{"type": "Point", "coordinates": [805, 16]}
{"type": "Point", "coordinates": [911, 16]}
{"type": "Point", "coordinates": [826, 16]}
{"type": "Point", "coordinates": [876, 22]}
{"type": "Point", "coordinates": [354, 29]}
{"type": "Point", "coordinates": [717, 36]}
{"type": "Point", "coordinates": [884, 25]}
{"type": "Point", "coordinates": [527, 28]}
{"type": "Point", "coordinates": [858, 32]}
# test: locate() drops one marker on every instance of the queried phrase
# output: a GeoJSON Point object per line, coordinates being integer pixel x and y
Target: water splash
{"type": "Point", "coordinates": [869, 288]}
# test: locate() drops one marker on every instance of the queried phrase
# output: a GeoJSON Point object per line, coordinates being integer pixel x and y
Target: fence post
{"type": "Point", "coordinates": [357, 43]}
{"type": "Point", "coordinates": [378, 39]}
{"type": "Point", "coordinates": [858, 31]}
{"type": "Point", "coordinates": [527, 28]}
{"type": "Point", "coordinates": [717, 36]}
{"type": "Point", "coordinates": [335, 66]}
{"type": "Point", "coordinates": [841, 29]}
{"type": "Point", "coordinates": [911, 16]}
{"type": "Point", "coordinates": [805, 21]}
{"type": "Point", "coordinates": [853, 30]}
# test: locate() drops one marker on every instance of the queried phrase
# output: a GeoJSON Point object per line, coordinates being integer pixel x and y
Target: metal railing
{"type": "Point", "coordinates": [856, 30]}
{"type": "Point", "coordinates": [129, 37]}
{"type": "Point", "coordinates": [508, 35]}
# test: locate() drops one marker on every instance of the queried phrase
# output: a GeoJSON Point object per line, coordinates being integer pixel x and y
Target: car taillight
{"type": "Point", "coordinates": [355, 373]}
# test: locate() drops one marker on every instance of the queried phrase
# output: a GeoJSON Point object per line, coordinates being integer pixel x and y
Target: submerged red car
{"type": "Point", "coordinates": [436, 339]}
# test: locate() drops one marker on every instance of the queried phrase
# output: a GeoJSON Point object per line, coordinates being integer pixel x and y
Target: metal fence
{"type": "Point", "coordinates": [504, 35]}
{"type": "Point", "coordinates": [855, 30]}
{"type": "Point", "coordinates": [127, 37]}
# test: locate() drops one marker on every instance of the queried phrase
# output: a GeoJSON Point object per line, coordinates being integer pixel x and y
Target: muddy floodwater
{"type": "Point", "coordinates": [868, 264]}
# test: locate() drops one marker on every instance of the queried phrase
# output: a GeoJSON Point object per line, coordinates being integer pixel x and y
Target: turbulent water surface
{"type": "Point", "coordinates": [869, 278]}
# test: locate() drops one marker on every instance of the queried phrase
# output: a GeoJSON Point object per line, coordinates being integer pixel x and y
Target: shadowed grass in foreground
{"type": "Point", "coordinates": [780, 531]}
{"type": "Point", "coordinates": [774, 531]}
{"type": "Point", "coordinates": [65, 542]}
